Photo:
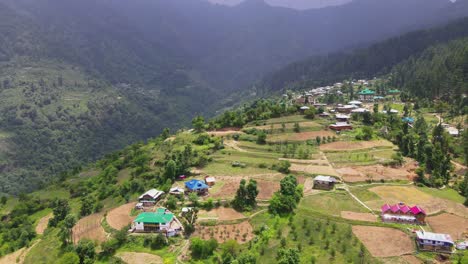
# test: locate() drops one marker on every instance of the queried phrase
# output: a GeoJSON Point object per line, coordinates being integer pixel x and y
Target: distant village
{"type": "Point", "coordinates": [362, 103]}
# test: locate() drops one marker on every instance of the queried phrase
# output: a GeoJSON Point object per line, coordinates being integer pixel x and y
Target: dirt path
{"type": "Point", "coordinates": [43, 223]}
{"type": "Point", "coordinates": [17, 256]}
{"type": "Point", "coordinates": [234, 145]}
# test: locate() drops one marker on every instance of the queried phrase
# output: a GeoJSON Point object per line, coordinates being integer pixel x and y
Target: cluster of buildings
{"type": "Point", "coordinates": [401, 213]}
{"type": "Point", "coordinates": [162, 220]}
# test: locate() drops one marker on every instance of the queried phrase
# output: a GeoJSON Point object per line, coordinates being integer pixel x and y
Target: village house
{"type": "Point", "coordinates": [356, 103]}
{"type": "Point", "coordinates": [177, 191]}
{"type": "Point", "coordinates": [394, 92]}
{"type": "Point", "coordinates": [324, 182]}
{"type": "Point", "coordinates": [196, 186]}
{"type": "Point", "coordinates": [392, 111]}
{"type": "Point", "coordinates": [339, 126]}
{"type": "Point", "coordinates": [401, 213]}
{"type": "Point", "coordinates": [366, 95]}
{"type": "Point", "coordinates": [210, 180]}
{"type": "Point", "coordinates": [342, 117]}
{"type": "Point", "coordinates": [161, 221]}
{"type": "Point", "coordinates": [150, 197]}
{"type": "Point", "coordinates": [345, 109]}
{"type": "Point", "coordinates": [359, 111]}
{"type": "Point", "coordinates": [428, 241]}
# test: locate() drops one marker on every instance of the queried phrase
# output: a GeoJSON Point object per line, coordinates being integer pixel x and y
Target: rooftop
{"type": "Point", "coordinates": [324, 178]}
{"type": "Point", "coordinates": [196, 185]}
{"type": "Point", "coordinates": [366, 91]}
{"type": "Point", "coordinates": [153, 193]}
{"type": "Point", "coordinates": [161, 216]}
{"type": "Point", "coordinates": [434, 236]}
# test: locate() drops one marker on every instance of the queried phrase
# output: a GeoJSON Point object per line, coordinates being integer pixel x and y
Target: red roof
{"type": "Point", "coordinates": [385, 208]}
{"type": "Point", "coordinates": [415, 210]}
{"type": "Point", "coordinates": [405, 209]}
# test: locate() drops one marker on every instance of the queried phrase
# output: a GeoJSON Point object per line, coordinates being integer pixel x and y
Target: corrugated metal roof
{"type": "Point", "coordinates": [434, 236]}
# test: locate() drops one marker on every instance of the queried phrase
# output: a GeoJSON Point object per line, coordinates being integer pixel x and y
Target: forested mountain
{"type": "Point", "coordinates": [82, 78]}
{"type": "Point", "coordinates": [368, 62]}
{"type": "Point", "coordinates": [440, 71]}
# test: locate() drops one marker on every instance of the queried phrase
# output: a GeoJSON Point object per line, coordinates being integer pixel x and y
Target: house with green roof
{"type": "Point", "coordinates": [161, 221]}
{"type": "Point", "coordinates": [366, 95]}
{"type": "Point", "coordinates": [394, 92]}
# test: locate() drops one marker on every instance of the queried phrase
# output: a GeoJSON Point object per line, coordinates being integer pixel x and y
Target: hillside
{"type": "Point", "coordinates": [278, 151]}
{"type": "Point", "coordinates": [368, 62]}
{"type": "Point", "coordinates": [440, 71]}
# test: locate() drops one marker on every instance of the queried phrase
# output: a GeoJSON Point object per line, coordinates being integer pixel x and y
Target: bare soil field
{"type": "Point", "coordinates": [288, 125]}
{"type": "Point", "coordinates": [42, 224]}
{"type": "Point", "coordinates": [14, 257]}
{"type": "Point", "coordinates": [303, 136]}
{"type": "Point", "coordinates": [359, 216]}
{"type": "Point", "coordinates": [224, 133]}
{"type": "Point", "coordinates": [384, 242]}
{"type": "Point", "coordinates": [313, 169]}
{"type": "Point", "coordinates": [412, 196]}
{"type": "Point", "coordinates": [242, 232]}
{"type": "Point", "coordinates": [346, 145]}
{"type": "Point", "coordinates": [410, 259]}
{"type": "Point", "coordinates": [230, 185]}
{"type": "Point", "coordinates": [137, 258]}
{"type": "Point", "coordinates": [89, 227]}
{"type": "Point", "coordinates": [378, 172]}
{"type": "Point", "coordinates": [120, 217]}
{"type": "Point", "coordinates": [221, 213]}
{"type": "Point", "coordinates": [449, 224]}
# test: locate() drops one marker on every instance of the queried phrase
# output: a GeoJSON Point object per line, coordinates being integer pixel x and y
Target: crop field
{"type": "Point", "coordinates": [451, 224]}
{"type": "Point", "coordinates": [332, 203]}
{"type": "Point", "coordinates": [120, 217]}
{"type": "Point", "coordinates": [242, 232]}
{"type": "Point", "coordinates": [89, 227]}
{"type": "Point", "coordinates": [359, 158]}
{"type": "Point", "coordinates": [226, 187]}
{"type": "Point", "coordinates": [384, 242]}
{"type": "Point", "coordinates": [221, 214]}
{"type": "Point", "coordinates": [301, 136]}
{"type": "Point", "coordinates": [377, 172]}
{"type": "Point", "coordinates": [355, 145]}
{"type": "Point", "coordinates": [138, 257]}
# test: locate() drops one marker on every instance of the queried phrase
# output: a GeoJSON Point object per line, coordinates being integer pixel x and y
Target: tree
{"type": "Point", "coordinates": [60, 209]}
{"type": "Point", "coordinates": [193, 198]}
{"type": "Point", "coordinates": [261, 137]}
{"type": "Point", "coordinates": [170, 170]}
{"type": "Point", "coordinates": [87, 204]}
{"type": "Point", "coordinates": [3, 200]}
{"type": "Point", "coordinates": [202, 249]}
{"type": "Point", "coordinates": [69, 258]}
{"type": "Point", "coordinates": [171, 202]}
{"type": "Point", "coordinates": [85, 250]}
{"type": "Point", "coordinates": [198, 123]}
{"type": "Point", "coordinates": [297, 127]}
{"type": "Point", "coordinates": [283, 166]}
{"type": "Point", "coordinates": [310, 113]}
{"type": "Point", "coordinates": [165, 134]}
{"type": "Point", "coordinates": [246, 195]}
{"type": "Point", "coordinates": [288, 256]}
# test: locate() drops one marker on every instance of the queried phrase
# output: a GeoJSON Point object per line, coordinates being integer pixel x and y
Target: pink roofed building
{"type": "Point", "coordinates": [401, 213]}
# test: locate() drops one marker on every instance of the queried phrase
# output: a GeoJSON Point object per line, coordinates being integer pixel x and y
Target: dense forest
{"type": "Point", "coordinates": [439, 72]}
{"type": "Point", "coordinates": [363, 63]}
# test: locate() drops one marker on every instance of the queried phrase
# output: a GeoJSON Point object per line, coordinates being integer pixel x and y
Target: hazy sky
{"type": "Point", "coordinates": [298, 4]}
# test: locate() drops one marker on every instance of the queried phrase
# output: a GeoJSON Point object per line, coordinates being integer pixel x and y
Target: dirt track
{"type": "Point", "coordinates": [43, 223]}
